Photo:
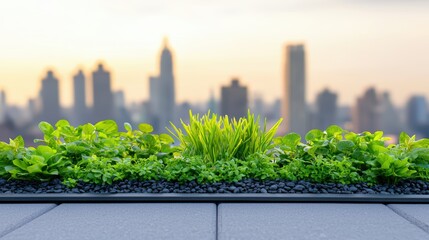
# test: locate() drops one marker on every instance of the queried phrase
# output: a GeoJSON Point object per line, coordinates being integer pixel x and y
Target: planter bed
{"type": "Point", "coordinates": [215, 159]}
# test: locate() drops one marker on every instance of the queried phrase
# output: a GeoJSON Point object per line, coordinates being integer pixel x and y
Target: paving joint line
{"type": "Point", "coordinates": [423, 226]}
{"type": "Point", "coordinates": [27, 220]}
{"type": "Point", "coordinates": [217, 221]}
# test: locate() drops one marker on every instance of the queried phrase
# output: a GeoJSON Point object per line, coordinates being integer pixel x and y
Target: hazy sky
{"type": "Point", "coordinates": [350, 44]}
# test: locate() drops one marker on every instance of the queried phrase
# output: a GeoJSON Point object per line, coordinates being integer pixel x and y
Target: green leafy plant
{"type": "Point", "coordinates": [212, 149]}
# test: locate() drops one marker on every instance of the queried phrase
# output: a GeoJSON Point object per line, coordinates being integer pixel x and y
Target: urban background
{"type": "Point", "coordinates": [93, 97]}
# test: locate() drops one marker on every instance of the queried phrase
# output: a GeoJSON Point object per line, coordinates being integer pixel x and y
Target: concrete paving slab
{"type": "Point", "coordinates": [417, 214]}
{"type": "Point", "coordinates": [313, 221]}
{"type": "Point", "coordinates": [13, 216]}
{"type": "Point", "coordinates": [122, 221]}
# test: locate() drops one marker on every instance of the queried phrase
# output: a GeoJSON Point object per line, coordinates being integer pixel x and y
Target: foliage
{"type": "Point", "coordinates": [336, 155]}
{"type": "Point", "coordinates": [212, 149]}
{"type": "Point", "coordinates": [219, 138]}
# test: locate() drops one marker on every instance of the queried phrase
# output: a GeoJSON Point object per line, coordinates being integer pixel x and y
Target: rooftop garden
{"type": "Point", "coordinates": [211, 151]}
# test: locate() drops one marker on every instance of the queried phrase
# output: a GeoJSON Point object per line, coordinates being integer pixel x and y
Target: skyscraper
{"type": "Point", "coordinates": [50, 99]}
{"type": "Point", "coordinates": [212, 103]}
{"type": "Point", "coordinates": [234, 100]}
{"type": "Point", "coordinates": [366, 116]}
{"type": "Point", "coordinates": [294, 104]}
{"type": "Point", "coordinates": [2, 106]}
{"type": "Point", "coordinates": [417, 113]}
{"type": "Point", "coordinates": [326, 103]}
{"type": "Point", "coordinates": [389, 118]}
{"type": "Point", "coordinates": [103, 105]}
{"type": "Point", "coordinates": [162, 92]}
{"type": "Point", "coordinates": [120, 111]}
{"type": "Point", "coordinates": [80, 109]}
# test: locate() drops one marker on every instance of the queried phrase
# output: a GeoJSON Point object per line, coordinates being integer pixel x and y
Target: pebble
{"type": "Point", "coordinates": [299, 188]}
{"type": "Point", "coordinates": [244, 186]}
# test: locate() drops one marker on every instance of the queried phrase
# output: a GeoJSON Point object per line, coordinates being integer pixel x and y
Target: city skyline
{"type": "Point", "coordinates": [373, 45]}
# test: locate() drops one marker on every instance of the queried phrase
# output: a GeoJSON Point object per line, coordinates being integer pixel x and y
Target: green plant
{"type": "Point", "coordinates": [212, 149]}
{"type": "Point", "coordinates": [336, 155]}
{"type": "Point", "coordinates": [219, 138]}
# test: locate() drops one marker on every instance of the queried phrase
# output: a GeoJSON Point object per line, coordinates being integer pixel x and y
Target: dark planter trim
{"type": "Point", "coordinates": [211, 198]}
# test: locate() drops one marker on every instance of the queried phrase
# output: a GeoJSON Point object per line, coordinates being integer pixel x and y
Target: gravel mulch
{"type": "Point", "coordinates": [244, 186]}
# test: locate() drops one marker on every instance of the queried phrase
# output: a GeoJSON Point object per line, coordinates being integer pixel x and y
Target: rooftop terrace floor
{"type": "Point", "coordinates": [214, 221]}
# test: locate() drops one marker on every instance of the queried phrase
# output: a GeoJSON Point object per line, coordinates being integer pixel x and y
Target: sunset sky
{"type": "Point", "coordinates": [350, 45]}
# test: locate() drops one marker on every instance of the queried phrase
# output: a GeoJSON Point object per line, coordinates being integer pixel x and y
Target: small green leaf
{"type": "Point", "coordinates": [149, 139]}
{"type": "Point", "coordinates": [9, 168]}
{"type": "Point", "coordinates": [36, 168]}
{"type": "Point", "coordinates": [146, 128]}
{"type": "Point", "coordinates": [313, 135]}
{"type": "Point", "coordinates": [165, 138]}
{"type": "Point", "coordinates": [62, 123]}
{"type": "Point", "coordinates": [128, 127]}
{"type": "Point", "coordinates": [345, 145]}
{"type": "Point", "coordinates": [19, 142]}
{"type": "Point", "coordinates": [107, 126]}
{"type": "Point", "coordinates": [334, 130]}
{"type": "Point", "coordinates": [46, 128]}
{"type": "Point", "coordinates": [291, 139]}
{"type": "Point", "coordinates": [45, 151]}
{"type": "Point", "coordinates": [378, 135]}
{"type": "Point", "coordinates": [20, 164]}
{"type": "Point", "coordinates": [88, 129]}
{"type": "Point", "coordinates": [404, 138]}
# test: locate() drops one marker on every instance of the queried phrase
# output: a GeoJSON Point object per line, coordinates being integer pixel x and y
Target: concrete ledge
{"type": "Point", "coordinates": [212, 198]}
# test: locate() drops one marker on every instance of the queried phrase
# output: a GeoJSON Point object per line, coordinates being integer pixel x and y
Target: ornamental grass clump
{"type": "Point", "coordinates": [218, 138]}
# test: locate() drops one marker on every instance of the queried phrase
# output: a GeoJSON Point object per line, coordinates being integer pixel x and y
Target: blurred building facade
{"type": "Point", "coordinates": [294, 104]}
{"type": "Point", "coordinates": [162, 92]}
{"type": "Point", "coordinates": [50, 99]}
{"type": "Point", "coordinates": [102, 95]}
{"type": "Point", "coordinates": [390, 122]}
{"type": "Point", "coordinates": [79, 102]}
{"type": "Point", "coordinates": [418, 115]}
{"type": "Point", "coordinates": [366, 114]}
{"type": "Point", "coordinates": [326, 112]}
{"type": "Point", "coordinates": [234, 102]}
{"type": "Point", "coordinates": [3, 106]}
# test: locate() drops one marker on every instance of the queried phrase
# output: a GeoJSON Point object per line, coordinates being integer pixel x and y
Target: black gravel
{"type": "Point", "coordinates": [244, 186]}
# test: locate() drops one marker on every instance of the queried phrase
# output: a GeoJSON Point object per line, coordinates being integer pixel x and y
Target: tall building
{"type": "Point", "coordinates": [80, 108]}
{"type": "Point", "coordinates": [234, 100]}
{"type": "Point", "coordinates": [366, 116]}
{"type": "Point", "coordinates": [326, 103]}
{"type": "Point", "coordinates": [212, 103]}
{"type": "Point", "coordinates": [417, 114]}
{"type": "Point", "coordinates": [390, 122]}
{"type": "Point", "coordinates": [103, 104]}
{"type": "Point", "coordinates": [258, 106]}
{"type": "Point", "coordinates": [50, 99]}
{"type": "Point", "coordinates": [162, 92]}
{"type": "Point", "coordinates": [2, 106]}
{"type": "Point", "coordinates": [121, 113]}
{"type": "Point", "coordinates": [294, 105]}
{"type": "Point", "coordinates": [32, 107]}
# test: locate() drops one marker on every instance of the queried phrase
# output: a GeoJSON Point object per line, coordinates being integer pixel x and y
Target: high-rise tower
{"type": "Point", "coordinates": [234, 100]}
{"type": "Point", "coordinates": [294, 104]}
{"type": "Point", "coordinates": [366, 115]}
{"type": "Point", "coordinates": [50, 99]}
{"type": "Point", "coordinates": [162, 92]}
{"type": "Point", "coordinates": [3, 106]}
{"type": "Point", "coordinates": [103, 104]}
{"type": "Point", "coordinates": [326, 103]}
{"type": "Point", "coordinates": [79, 98]}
